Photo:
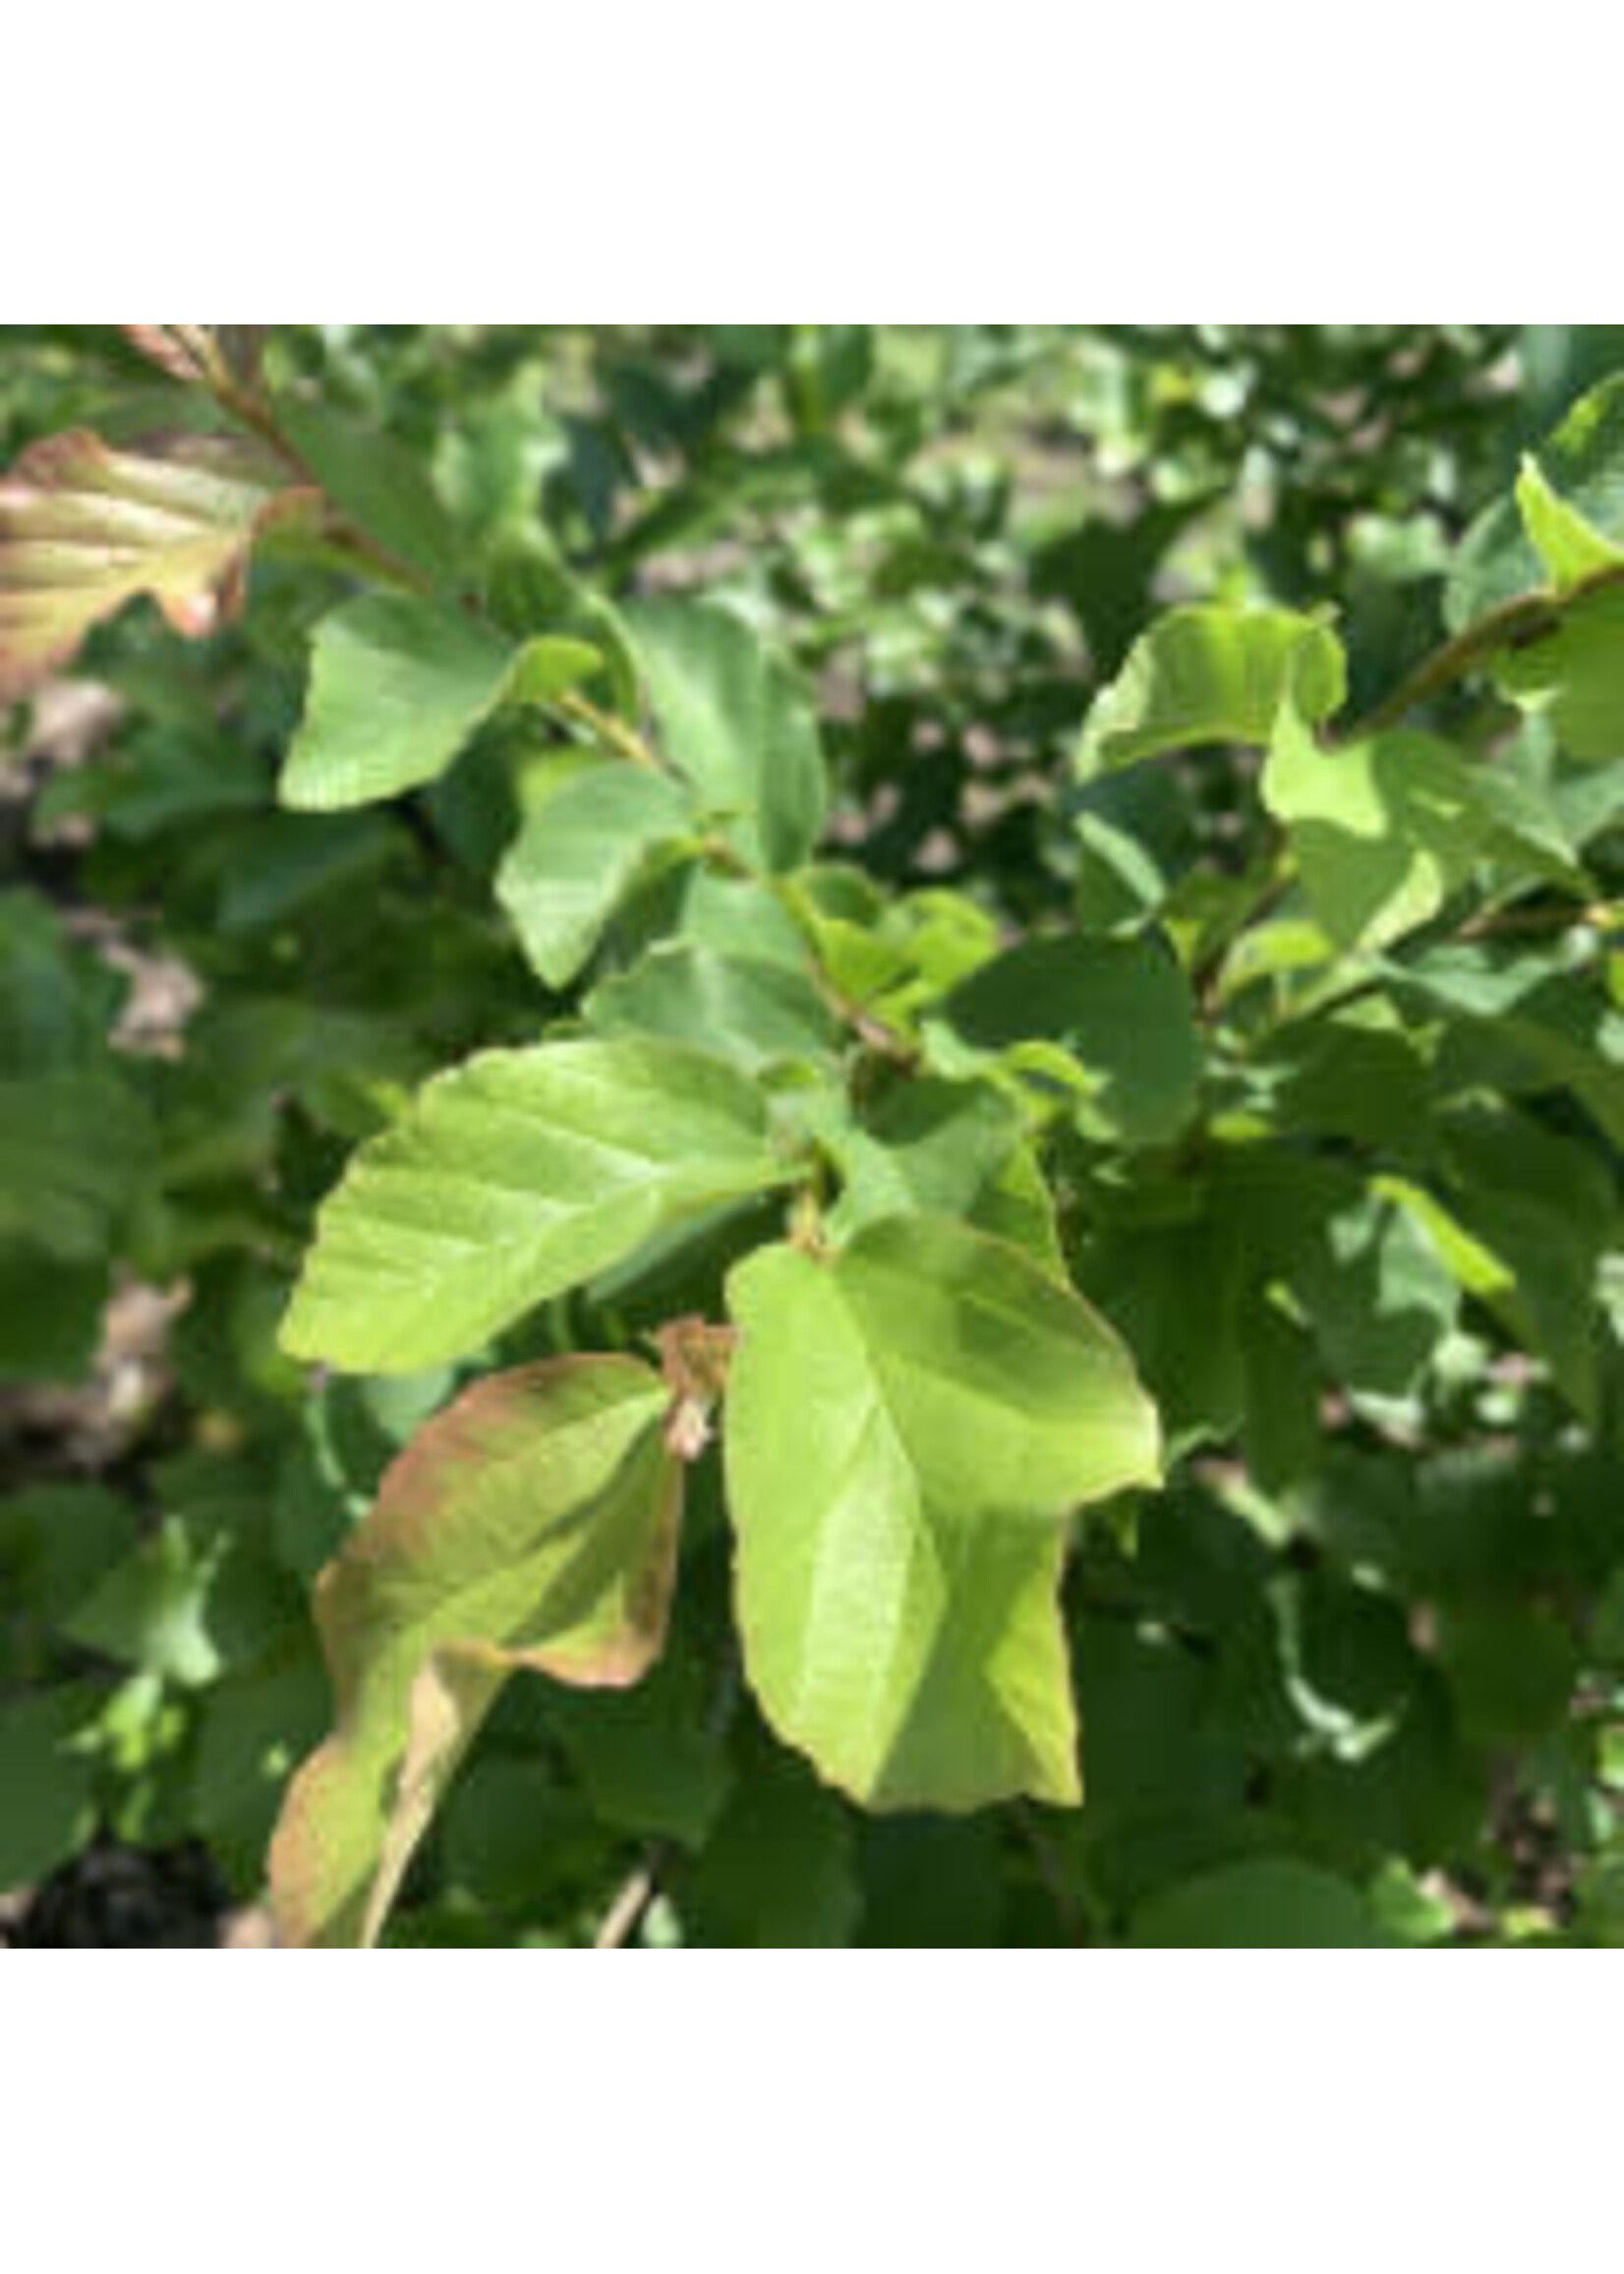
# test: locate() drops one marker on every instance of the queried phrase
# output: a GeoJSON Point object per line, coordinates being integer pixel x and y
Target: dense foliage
{"type": "Point", "coordinates": [862, 1089]}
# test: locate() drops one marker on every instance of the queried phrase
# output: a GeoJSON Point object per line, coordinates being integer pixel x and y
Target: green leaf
{"type": "Point", "coordinates": [1584, 463]}
{"type": "Point", "coordinates": [1387, 828]}
{"type": "Point", "coordinates": [754, 1013]}
{"type": "Point", "coordinates": [1136, 841]}
{"type": "Point", "coordinates": [1375, 1291]}
{"type": "Point", "coordinates": [644, 1758]}
{"type": "Point", "coordinates": [50, 1316]}
{"type": "Point", "coordinates": [933, 1147]}
{"type": "Point", "coordinates": [1574, 674]}
{"type": "Point", "coordinates": [1173, 1292]}
{"type": "Point", "coordinates": [284, 864]}
{"type": "Point", "coordinates": [1121, 1009]}
{"type": "Point", "coordinates": [733, 719]}
{"type": "Point", "coordinates": [936, 1883]}
{"type": "Point", "coordinates": [1354, 1074]}
{"type": "Point", "coordinates": [73, 1149]}
{"type": "Point", "coordinates": [1524, 1025]}
{"type": "Point", "coordinates": [379, 487]}
{"type": "Point", "coordinates": [1018, 1205]}
{"type": "Point", "coordinates": [520, 1175]}
{"type": "Point", "coordinates": [1213, 675]}
{"type": "Point", "coordinates": [550, 667]}
{"type": "Point", "coordinates": [736, 916]}
{"type": "Point", "coordinates": [1283, 1432]}
{"type": "Point", "coordinates": [49, 1809]}
{"type": "Point", "coordinates": [152, 1612]}
{"type": "Point", "coordinates": [1512, 1668]}
{"type": "Point", "coordinates": [577, 858]}
{"type": "Point", "coordinates": [1569, 544]}
{"type": "Point", "coordinates": [909, 1429]}
{"type": "Point", "coordinates": [1383, 831]}
{"type": "Point", "coordinates": [1268, 1905]}
{"type": "Point", "coordinates": [56, 1540]}
{"type": "Point", "coordinates": [254, 1728]}
{"type": "Point", "coordinates": [1587, 804]}
{"type": "Point", "coordinates": [85, 529]}
{"type": "Point", "coordinates": [533, 1525]}
{"type": "Point", "coordinates": [1409, 1911]}
{"type": "Point", "coordinates": [527, 584]}
{"type": "Point", "coordinates": [779, 1872]}
{"type": "Point", "coordinates": [398, 686]}
{"type": "Point", "coordinates": [512, 1828]}
{"type": "Point", "coordinates": [58, 1001]}
{"type": "Point", "coordinates": [1536, 1212]}
{"type": "Point", "coordinates": [1378, 1293]}
{"type": "Point", "coordinates": [1526, 829]}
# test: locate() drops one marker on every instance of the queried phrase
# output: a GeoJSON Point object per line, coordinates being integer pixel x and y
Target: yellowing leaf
{"type": "Point", "coordinates": [533, 1525]}
{"type": "Point", "coordinates": [85, 528]}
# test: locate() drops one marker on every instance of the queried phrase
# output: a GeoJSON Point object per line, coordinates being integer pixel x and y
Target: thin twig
{"type": "Point", "coordinates": [1506, 923]}
{"type": "Point", "coordinates": [631, 1906]}
{"type": "Point", "coordinates": [1515, 624]}
{"type": "Point", "coordinates": [612, 732]}
{"type": "Point", "coordinates": [255, 414]}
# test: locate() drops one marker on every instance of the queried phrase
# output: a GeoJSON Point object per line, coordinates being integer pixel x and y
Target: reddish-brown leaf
{"type": "Point", "coordinates": [534, 1525]}
{"type": "Point", "coordinates": [85, 528]}
{"type": "Point", "coordinates": [199, 354]}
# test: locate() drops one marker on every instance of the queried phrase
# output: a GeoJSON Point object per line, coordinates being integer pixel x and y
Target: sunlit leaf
{"type": "Point", "coordinates": [1569, 544]}
{"type": "Point", "coordinates": [909, 1429]}
{"type": "Point", "coordinates": [1213, 675]}
{"type": "Point", "coordinates": [522, 1174]}
{"type": "Point", "coordinates": [1582, 464]}
{"type": "Point", "coordinates": [398, 685]}
{"type": "Point", "coordinates": [1385, 829]}
{"type": "Point", "coordinates": [755, 1012]}
{"type": "Point", "coordinates": [576, 856]}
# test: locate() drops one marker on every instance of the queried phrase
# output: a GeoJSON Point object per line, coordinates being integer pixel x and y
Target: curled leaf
{"type": "Point", "coordinates": [532, 1525]}
{"type": "Point", "coordinates": [1208, 674]}
{"type": "Point", "coordinates": [84, 529]}
{"type": "Point", "coordinates": [696, 1359]}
